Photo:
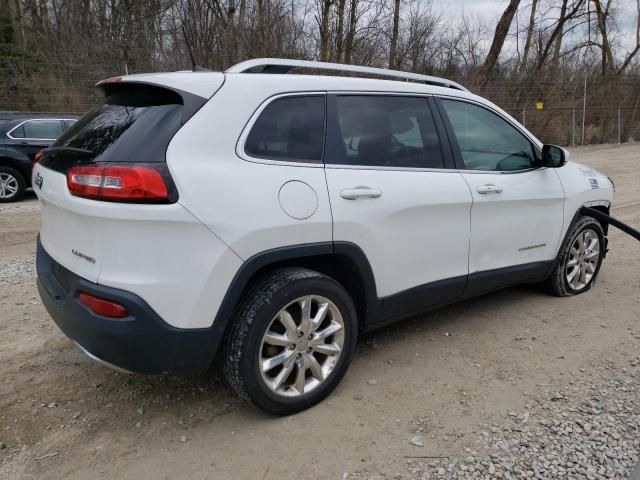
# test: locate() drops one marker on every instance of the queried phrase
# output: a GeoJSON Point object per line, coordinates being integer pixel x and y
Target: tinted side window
{"type": "Point", "coordinates": [17, 132]}
{"type": "Point", "coordinates": [44, 129]}
{"type": "Point", "coordinates": [388, 131]}
{"type": "Point", "coordinates": [487, 142]}
{"type": "Point", "coordinates": [290, 128]}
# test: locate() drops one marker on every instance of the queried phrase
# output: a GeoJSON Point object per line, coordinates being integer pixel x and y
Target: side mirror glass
{"type": "Point", "coordinates": [553, 156]}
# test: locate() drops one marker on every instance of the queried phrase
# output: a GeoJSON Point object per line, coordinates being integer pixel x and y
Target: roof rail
{"type": "Point", "coordinates": [283, 65]}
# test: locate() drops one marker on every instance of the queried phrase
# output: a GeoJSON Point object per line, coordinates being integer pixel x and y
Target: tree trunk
{"type": "Point", "coordinates": [325, 12]}
{"type": "Point", "coordinates": [527, 43]}
{"type": "Point", "coordinates": [351, 32]}
{"type": "Point", "coordinates": [340, 31]}
{"type": "Point", "coordinates": [601, 15]}
{"type": "Point", "coordinates": [558, 45]}
{"type": "Point", "coordinates": [498, 40]}
{"type": "Point", "coordinates": [394, 35]}
{"type": "Point", "coordinates": [262, 48]}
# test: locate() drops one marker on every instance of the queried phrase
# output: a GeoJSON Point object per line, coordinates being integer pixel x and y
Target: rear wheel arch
{"type": "Point", "coordinates": [345, 262]}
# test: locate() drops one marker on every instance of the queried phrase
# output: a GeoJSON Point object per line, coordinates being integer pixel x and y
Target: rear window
{"type": "Point", "coordinates": [135, 124]}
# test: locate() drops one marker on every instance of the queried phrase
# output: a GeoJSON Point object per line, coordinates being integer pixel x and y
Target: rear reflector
{"type": "Point", "coordinates": [108, 182]}
{"type": "Point", "coordinates": [103, 307]}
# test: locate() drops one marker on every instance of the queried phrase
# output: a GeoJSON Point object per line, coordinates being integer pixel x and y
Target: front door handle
{"type": "Point", "coordinates": [489, 188]}
{"type": "Point", "coordinates": [360, 192]}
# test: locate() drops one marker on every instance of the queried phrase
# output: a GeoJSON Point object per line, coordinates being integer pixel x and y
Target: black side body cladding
{"type": "Point", "coordinates": [380, 311]}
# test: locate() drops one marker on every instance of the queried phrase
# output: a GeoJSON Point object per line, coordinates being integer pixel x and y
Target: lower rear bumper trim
{"type": "Point", "coordinates": [141, 342]}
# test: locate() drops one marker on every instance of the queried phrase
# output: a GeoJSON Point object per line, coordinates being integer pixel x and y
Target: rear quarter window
{"type": "Point", "coordinates": [289, 129]}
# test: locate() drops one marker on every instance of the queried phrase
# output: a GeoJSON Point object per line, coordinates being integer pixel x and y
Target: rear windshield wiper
{"type": "Point", "coordinates": [76, 151]}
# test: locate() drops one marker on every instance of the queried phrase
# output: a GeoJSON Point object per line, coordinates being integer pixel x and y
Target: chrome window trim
{"type": "Point", "coordinates": [240, 144]}
{"type": "Point", "coordinates": [338, 166]}
{"type": "Point", "coordinates": [38, 120]}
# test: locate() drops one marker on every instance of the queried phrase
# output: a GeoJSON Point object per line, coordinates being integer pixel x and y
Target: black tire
{"type": "Point", "coordinates": [258, 307]}
{"type": "Point", "coordinates": [557, 283]}
{"type": "Point", "coordinates": [22, 184]}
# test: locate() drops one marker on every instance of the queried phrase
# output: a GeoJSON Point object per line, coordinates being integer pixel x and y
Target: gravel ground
{"type": "Point", "coordinates": [585, 431]}
{"type": "Point", "coordinates": [513, 384]}
{"type": "Point", "coordinates": [17, 270]}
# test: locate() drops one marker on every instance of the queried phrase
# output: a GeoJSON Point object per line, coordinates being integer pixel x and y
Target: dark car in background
{"type": "Point", "coordinates": [22, 135]}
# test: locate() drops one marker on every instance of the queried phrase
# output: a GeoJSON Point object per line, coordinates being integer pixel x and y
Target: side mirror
{"type": "Point", "coordinates": [553, 156]}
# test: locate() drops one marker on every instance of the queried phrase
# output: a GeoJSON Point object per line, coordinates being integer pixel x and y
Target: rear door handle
{"type": "Point", "coordinates": [489, 188]}
{"type": "Point", "coordinates": [360, 192]}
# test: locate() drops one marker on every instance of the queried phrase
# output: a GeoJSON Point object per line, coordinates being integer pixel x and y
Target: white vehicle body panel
{"type": "Point", "coordinates": [583, 186]}
{"type": "Point", "coordinates": [416, 232]}
{"type": "Point", "coordinates": [238, 199]}
{"type": "Point", "coordinates": [520, 223]}
{"type": "Point", "coordinates": [159, 252]}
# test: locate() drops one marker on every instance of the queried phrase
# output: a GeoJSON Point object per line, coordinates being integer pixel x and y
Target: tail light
{"type": "Point", "coordinates": [101, 306]}
{"type": "Point", "coordinates": [118, 183]}
{"type": "Point", "coordinates": [38, 156]}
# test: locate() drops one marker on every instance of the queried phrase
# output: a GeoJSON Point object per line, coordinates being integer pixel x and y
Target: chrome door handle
{"type": "Point", "coordinates": [360, 192]}
{"type": "Point", "coordinates": [489, 188]}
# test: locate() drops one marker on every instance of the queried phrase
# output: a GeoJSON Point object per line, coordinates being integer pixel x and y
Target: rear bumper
{"type": "Point", "coordinates": [141, 342]}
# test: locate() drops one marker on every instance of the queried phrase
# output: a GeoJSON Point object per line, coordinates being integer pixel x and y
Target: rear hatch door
{"type": "Point", "coordinates": [134, 125]}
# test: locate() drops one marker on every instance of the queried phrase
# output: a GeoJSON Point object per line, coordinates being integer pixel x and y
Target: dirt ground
{"type": "Point", "coordinates": [442, 375]}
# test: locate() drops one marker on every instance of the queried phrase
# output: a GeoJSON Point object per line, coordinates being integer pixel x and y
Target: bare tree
{"type": "Point", "coordinates": [527, 44]}
{"type": "Point", "coordinates": [394, 34]}
{"type": "Point", "coordinates": [502, 29]}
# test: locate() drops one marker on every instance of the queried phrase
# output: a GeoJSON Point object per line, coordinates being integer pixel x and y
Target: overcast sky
{"type": "Point", "coordinates": [491, 10]}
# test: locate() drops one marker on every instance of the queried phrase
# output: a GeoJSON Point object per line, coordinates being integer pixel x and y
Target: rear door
{"type": "Point", "coordinates": [394, 194]}
{"type": "Point", "coordinates": [517, 214]}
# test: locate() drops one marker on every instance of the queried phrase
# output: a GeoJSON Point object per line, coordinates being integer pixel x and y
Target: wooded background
{"type": "Point", "coordinates": [551, 51]}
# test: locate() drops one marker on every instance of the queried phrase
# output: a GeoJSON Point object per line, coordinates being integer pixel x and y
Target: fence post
{"type": "Point", "coordinates": [619, 126]}
{"type": "Point", "coordinates": [573, 127]}
{"type": "Point", "coordinates": [524, 118]}
{"type": "Point", "coordinates": [584, 107]}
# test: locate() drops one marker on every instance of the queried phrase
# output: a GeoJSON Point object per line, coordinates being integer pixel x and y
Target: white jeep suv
{"type": "Point", "coordinates": [277, 216]}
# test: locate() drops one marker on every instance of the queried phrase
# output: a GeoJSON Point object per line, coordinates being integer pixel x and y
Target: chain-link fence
{"type": "Point", "coordinates": [580, 111]}
{"type": "Point", "coordinates": [577, 112]}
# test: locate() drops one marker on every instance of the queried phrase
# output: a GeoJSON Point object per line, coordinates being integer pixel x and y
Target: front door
{"type": "Point", "coordinates": [517, 213]}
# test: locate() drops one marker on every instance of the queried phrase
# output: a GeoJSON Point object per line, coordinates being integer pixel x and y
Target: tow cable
{"type": "Point", "coordinates": [598, 215]}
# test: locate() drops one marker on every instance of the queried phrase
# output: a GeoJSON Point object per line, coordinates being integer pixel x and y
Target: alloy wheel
{"type": "Point", "coordinates": [583, 259]}
{"type": "Point", "coordinates": [8, 186]}
{"type": "Point", "coordinates": [301, 346]}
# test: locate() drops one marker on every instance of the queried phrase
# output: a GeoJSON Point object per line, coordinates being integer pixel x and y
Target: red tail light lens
{"type": "Point", "coordinates": [109, 182]}
{"type": "Point", "coordinates": [38, 156]}
{"type": "Point", "coordinates": [103, 307]}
